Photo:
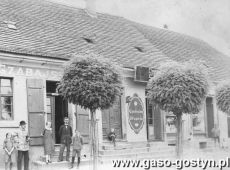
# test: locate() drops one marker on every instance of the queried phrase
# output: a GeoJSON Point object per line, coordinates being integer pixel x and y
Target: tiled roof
{"type": "Point", "coordinates": [52, 30]}
{"type": "Point", "coordinates": [56, 31]}
{"type": "Point", "coordinates": [181, 47]}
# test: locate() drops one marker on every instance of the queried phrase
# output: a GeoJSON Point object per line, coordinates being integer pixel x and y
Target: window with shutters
{"type": "Point", "coordinates": [6, 95]}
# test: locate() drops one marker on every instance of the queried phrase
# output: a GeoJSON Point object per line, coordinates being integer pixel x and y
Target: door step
{"type": "Point", "coordinates": [107, 153]}
{"type": "Point", "coordinates": [40, 165]}
{"type": "Point", "coordinates": [135, 150]}
{"type": "Point", "coordinates": [131, 145]}
{"type": "Point", "coordinates": [200, 143]}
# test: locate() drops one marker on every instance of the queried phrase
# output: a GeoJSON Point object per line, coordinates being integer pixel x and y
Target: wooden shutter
{"type": "Point", "coordinates": [115, 118]}
{"type": "Point", "coordinates": [157, 117]}
{"type": "Point", "coordinates": [36, 117]}
{"type": "Point", "coordinates": [105, 123]}
{"type": "Point", "coordinates": [83, 123]}
{"type": "Point", "coordinates": [228, 119]}
{"type": "Point", "coordinates": [210, 115]}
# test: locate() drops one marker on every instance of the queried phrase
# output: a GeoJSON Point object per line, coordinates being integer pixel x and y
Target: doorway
{"type": "Point", "coordinates": [57, 108]}
{"type": "Point", "coordinates": [210, 115]}
{"type": "Point", "coordinates": [111, 118]}
{"type": "Point", "coordinates": [154, 122]}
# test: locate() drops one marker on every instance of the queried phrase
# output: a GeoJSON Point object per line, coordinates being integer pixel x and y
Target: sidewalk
{"type": "Point", "coordinates": [217, 154]}
{"type": "Point", "coordinates": [188, 154]}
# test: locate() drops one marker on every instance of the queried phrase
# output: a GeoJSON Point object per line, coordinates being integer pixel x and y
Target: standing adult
{"type": "Point", "coordinates": [65, 133]}
{"type": "Point", "coordinates": [48, 142]}
{"type": "Point", "coordinates": [22, 146]}
{"type": "Point", "coordinates": [216, 134]}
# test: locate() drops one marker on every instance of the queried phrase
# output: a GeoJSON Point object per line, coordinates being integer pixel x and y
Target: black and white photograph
{"type": "Point", "coordinates": [114, 84]}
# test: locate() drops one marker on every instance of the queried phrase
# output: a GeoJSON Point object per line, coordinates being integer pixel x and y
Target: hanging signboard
{"type": "Point", "coordinates": [142, 74]}
{"type": "Point", "coordinates": [136, 113]}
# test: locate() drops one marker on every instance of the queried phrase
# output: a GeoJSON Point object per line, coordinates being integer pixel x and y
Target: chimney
{"type": "Point", "coordinates": [90, 8]}
{"type": "Point", "coordinates": [165, 26]}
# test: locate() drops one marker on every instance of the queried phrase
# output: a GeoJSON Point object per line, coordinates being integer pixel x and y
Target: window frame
{"type": "Point", "coordinates": [11, 95]}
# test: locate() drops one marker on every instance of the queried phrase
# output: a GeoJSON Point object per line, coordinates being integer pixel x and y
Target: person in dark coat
{"type": "Point", "coordinates": [48, 142]}
{"type": "Point", "coordinates": [65, 133]}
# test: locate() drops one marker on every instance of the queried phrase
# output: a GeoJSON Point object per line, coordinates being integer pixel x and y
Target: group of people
{"type": "Point", "coordinates": [17, 145]}
{"type": "Point", "coordinates": [66, 136]}
{"type": "Point", "coordinates": [65, 133]}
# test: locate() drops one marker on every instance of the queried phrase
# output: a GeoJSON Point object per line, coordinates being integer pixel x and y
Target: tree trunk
{"type": "Point", "coordinates": [93, 137]}
{"type": "Point", "coordinates": [179, 147]}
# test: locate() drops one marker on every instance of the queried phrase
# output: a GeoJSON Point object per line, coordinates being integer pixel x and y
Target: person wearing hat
{"type": "Point", "coordinates": [22, 146]}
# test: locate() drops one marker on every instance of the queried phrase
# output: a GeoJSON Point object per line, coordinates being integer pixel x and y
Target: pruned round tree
{"type": "Point", "coordinates": [223, 96]}
{"type": "Point", "coordinates": [92, 82]}
{"type": "Point", "coordinates": [179, 88]}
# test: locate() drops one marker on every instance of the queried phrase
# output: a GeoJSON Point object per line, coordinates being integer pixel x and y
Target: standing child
{"type": "Point", "coordinates": [216, 134]}
{"type": "Point", "coordinates": [112, 136]}
{"type": "Point", "coordinates": [77, 147]}
{"type": "Point", "coordinates": [224, 144]}
{"type": "Point", "coordinates": [48, 142]}
{"type": "Point", "coordinates": [8, 146]}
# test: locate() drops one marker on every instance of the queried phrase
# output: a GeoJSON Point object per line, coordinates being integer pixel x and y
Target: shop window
{"type": "Point", "coordinates": [6, 95]}
{"type": "Point", "coordinates": [170, 123]}
{"type": "Point", "coordinates": [198, 122]}
{"type": "Point", "coordinates": [51, 87]}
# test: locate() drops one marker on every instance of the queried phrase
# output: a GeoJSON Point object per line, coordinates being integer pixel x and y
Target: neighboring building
{"type": "Point", "coordinates": [180, 47]}
{"type": "Point", "coordinates": [37, 37]}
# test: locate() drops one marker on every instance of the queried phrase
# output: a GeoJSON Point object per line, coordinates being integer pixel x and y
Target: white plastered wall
{"type": "Point", "coordinates": [131, 88]}
{"type": "Point", "coordinates": [19, 110]}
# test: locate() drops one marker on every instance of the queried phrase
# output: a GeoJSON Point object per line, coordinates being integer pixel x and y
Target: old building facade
{"type": "Point", "coordinates": [38, 37]}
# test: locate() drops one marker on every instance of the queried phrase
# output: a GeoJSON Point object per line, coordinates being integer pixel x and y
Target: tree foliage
{"type": "Point", "coordinates": [91, 81]}
{"type": "Point", "coordinates": [223, 96]}
{"type": "Point", "coordinates": [179, 87]}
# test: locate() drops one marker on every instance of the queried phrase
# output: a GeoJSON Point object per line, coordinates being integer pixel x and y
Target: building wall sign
{"type": "Point", "coordinates": [143, 74]}
{"type": "Point", "coordinates": [136, 113]}
{"type": "Point", "coordinates": [8, 70]}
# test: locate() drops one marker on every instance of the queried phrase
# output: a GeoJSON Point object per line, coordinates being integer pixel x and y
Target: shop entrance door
{"type": "Point", "coordinates": [154, 122]}
{"type": "Point", "coordinates": [210, 115]}
{"type": "Point", "coordinates": [57, 108]}
{"type": "Point", "coordinates": [111, 118]}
